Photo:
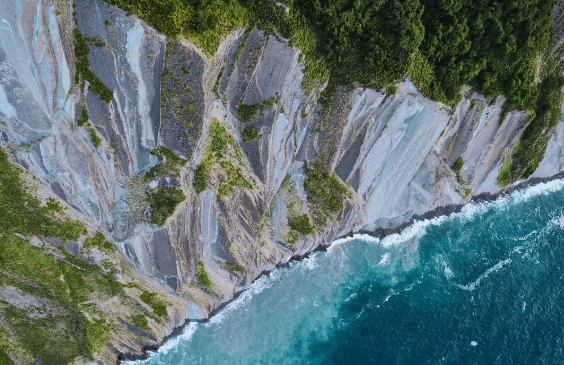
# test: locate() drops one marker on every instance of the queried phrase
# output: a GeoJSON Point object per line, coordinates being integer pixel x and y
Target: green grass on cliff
{"type": "Point", "coordinates": [325, 188]}
{"type": "Point", "coordinates": [202, 275]}
{"type": "Point", "coordinates": [169, 165]}
{"type": "Point", "coordinates": [70, 325]}
{"type": "Point", "coordinates": [224, 160]}
{"type": "Point", "coordinates": [82, 52]}
{"type": "Point", "coordinates": [529, 151]}
{"type": "Point", "coordinates": [158, 306]}
{"type": "Point", "coordinates": [23, 213]}
{"type": "Point", "coordinates": [163, 202]}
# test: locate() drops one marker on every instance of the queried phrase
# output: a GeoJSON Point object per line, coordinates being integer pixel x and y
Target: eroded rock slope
{"type": "Point", "coordinates": [280, 179]}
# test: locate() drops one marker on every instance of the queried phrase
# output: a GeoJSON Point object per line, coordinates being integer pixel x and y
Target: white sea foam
{"type": "Point", "coordinates": [558, 221]}
{"type": "Point", "coordinates": [357, 236]}
{"type": "Point", "coordinates": [474, 285]}
{"type": "Point", "coordinates": [257, 287]}
{"type": "Point", "coordinates": [185, 336]}
{"type": "Point", "coordinates": [384, 259]}
{"type": "Point", "coordinates": [448, 272]}
{"type": "Point", "coordinates": [469, 211]}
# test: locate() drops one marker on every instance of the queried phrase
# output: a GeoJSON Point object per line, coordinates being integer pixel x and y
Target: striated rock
{"type": "Point", "coordinates": [395, 152]}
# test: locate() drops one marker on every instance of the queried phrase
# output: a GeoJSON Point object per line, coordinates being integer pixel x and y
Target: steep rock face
{"type": "Point", "coordinates": [394, 151]}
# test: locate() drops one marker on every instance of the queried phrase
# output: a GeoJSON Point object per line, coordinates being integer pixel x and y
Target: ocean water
{"type": "Point", "coordinates": [483, 286]}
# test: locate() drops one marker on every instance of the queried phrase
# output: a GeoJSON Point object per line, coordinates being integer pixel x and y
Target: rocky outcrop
{"type": "Point", "coordinates": [394, 152]}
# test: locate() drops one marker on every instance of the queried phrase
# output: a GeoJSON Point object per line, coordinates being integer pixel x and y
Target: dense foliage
{"type": "Point", "coordinates": [442, 45]}
{"type": "Point", "coordinates": [202, 275]}
{"type": "Point", "coordinates": [200, 178]}
{"type": "Point", "coordinates": [159, 307]}
{"type": "Point", "coordinates": [301, 224]}
{"type": "Point", "coordinates": [250, 133]}
{"type": "Point", "coordinates": [529, 151]}
{"type": "Point", "coordinates": [163, 202]}
{"type": "Point", "coordinates": [64, 280]}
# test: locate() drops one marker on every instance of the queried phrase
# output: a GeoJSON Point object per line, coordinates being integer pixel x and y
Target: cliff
{"type": "Point", "coordinates": [260, 171]}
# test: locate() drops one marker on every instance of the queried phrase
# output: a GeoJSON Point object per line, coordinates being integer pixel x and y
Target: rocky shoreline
{"type": "Point", "coordinates": [438, 212]}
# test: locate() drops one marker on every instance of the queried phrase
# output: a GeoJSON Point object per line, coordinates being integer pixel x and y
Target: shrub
{"type": "Point", "coordinates": [83, 119]}
{"type": "Point", "coordinates": [301, 224]}
{"type": "Point", "coordinates": [140, 321]}
{"type": "Point", "coordinates": [250, 133]}
{"type": "Point", "coordinates": [159, 307]}
{"type": "Point", "coordinates": [457, 165]}
{"type": "Point", "coordinates": [163, 202]}
{"type": "Point", "coordinates": [247, 112]}
{"type": "Point", "coordinates": [99, 241]}
{"type": "Point", "coordinates": [200, 178]}
{"type": "Point", "coordinates": [96, 141]}
{"type": "Point", "coordinates": [202, 275]}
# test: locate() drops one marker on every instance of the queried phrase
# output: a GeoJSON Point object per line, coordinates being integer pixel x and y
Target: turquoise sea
{"type": "Point", "coordinates": [482, 286]}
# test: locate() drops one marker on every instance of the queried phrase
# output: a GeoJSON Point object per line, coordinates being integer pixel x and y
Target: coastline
{"type": "Point", "coordinates": [380, 233]}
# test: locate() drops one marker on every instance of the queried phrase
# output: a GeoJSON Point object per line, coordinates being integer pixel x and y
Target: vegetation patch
{"type": "Point", "coordinates": [158, 306]}
{"type": "Point", "coordinates": [233, 267]}
{"type": "Point", "coordinates": [83, 119]}
{"type": "Point", "coordinates": [457, 165]}
{"type": "Point", "coordinates": [301, 224]}
{"type": "Point", "coordinates": [204, 22]}
{"type": "Point", "coordinates": [291, 238]}
{"type": "Point", "coordinates": [66, 284]}
{"type": "Point", "coordinates": [140, 321]}
{"type": "Point", "coordinates": [529, 151]}
{"type": "Point", "coordinates": [505, 177]}
{"type": "Point", "coordinates": [163, 202]}
{"type": "Point", "coordinates": [216, 86]}
{"type": "Point", "coordinates": [100, 242]}
{"type": "Point", "coordinates": [82, 52]}
{"type": "Point", "coordinates": [169, 166]}
{"type": "Point", "coordinates": [4, 359]}
{"type": "Point", "coordinates": [247, 112]}
{"type": "Point", "coordinates": [200, 178]}
{"type": "Point", "coordinates": [202, 275]}
{"type": "Point", "coordinates": [325, 188]}
{"type": "Point", "coordinates": [224, 160]}
{"type": "Point", "coordinates": [94, 137]}
{"type": "Point", "coordinates": [250, 133]}
{"type": "Point", "coordinates": [239, 50]}
{"type": "Point", "coordinates": [22, 212]}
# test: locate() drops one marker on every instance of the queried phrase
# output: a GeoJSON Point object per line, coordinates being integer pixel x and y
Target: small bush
{"type": "Point", "coordinates": [83, 119]}
{"type": "Point", "coordinates": [159, 307]}
{"type": "Point", "coordinates": [140, 321]}
{"type": "Point", "coordinates": [250, 133]}
{"type": "Point", "coordinates": [96, 140]}
{"type": "Point", "coordinates": [171, 158]}
{"type": "Point", "coordinates": [216, 86]}
{"type": "Point", "coordinates": [247, 112]}
{"type": "Point", "coordinates": [326, 187]}
{"type": "Point", "coordinates": [163, 202]}
{"type": "Point", "coordinates": [202, 275]}
{"type": "Point", "coordinates": [457, 165]}
{"type": "Point", "coordinates": [301, 224]}
{"type": "Point", "coordinates": [233, 267]}
{"type": "Point", "coordinates": [199, 178]}
{"type": "Point", "coordinates": [100, 242]}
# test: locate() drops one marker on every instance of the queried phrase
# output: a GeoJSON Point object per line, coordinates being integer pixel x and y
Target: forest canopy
{"type": "Point", "coordinates": [490, 45]}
